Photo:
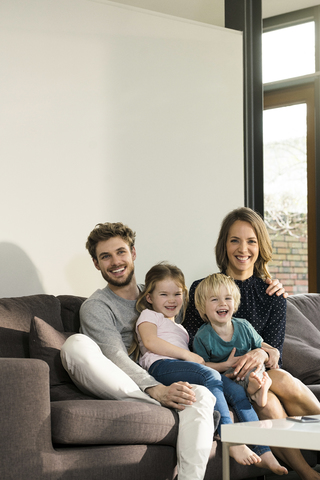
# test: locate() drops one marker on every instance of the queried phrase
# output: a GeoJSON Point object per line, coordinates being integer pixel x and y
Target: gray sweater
{"type": "Point", "coordinates": [109, 320]}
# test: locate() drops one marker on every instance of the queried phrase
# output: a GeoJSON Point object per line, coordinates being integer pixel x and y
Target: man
{"type": "Point", "coordinates": [98, 361]}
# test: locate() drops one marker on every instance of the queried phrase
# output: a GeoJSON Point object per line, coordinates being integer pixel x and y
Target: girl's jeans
{"type": "Point", "coordinates": [223, 388]}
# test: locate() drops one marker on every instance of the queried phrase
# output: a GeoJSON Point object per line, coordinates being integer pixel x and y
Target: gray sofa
{"type": "Point", "coordinates": [50, 430]}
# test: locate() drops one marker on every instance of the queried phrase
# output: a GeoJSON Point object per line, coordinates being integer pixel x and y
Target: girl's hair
{"type": "Point", "coordinates": [210, 286]}
{"type": "Point", "coordinates": [156, 274]}
{"type": "Point", "coordinates": [265, 249]}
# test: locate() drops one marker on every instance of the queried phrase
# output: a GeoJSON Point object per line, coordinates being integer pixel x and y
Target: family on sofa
{"type": "Point", "coordinates": [97, 359]}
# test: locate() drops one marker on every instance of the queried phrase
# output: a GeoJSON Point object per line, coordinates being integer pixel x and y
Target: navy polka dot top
{"type": "Point", "coordinates": [267, 314]}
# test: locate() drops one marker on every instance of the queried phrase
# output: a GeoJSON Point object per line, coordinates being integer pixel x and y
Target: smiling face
{"type": "Point", "coordinates": [220, 307]}
{"type": "Point", "coordinates": [115, 260]}
{"type": "Point", "coordinates": [166, 298]}
{"type": "Point", "coordinates": [242, 250]}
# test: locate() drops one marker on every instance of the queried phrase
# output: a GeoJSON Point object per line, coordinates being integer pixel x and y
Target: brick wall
{"type": "Point", "coordinates": [290, 261]}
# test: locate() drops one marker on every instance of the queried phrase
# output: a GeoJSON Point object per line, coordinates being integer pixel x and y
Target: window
{"type": "Point", "coordinates": [290, 83]}
{"type": "Point", "coordinates": [288, 52]}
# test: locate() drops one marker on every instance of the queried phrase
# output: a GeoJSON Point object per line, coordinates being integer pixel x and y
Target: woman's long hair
{"type": "Point", "coordinates": [265, 249]}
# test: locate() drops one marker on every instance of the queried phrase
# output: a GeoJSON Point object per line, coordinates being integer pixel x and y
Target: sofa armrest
{"type": "Point", "coordinates": [24, 415]}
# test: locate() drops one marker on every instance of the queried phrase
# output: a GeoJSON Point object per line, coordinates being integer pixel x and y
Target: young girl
{"type": "Point", "coordinates": [224, 337]}
{"type": "Point", "coordinates": [165, 354]}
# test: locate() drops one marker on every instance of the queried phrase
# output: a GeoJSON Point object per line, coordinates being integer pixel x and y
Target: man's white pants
{"type": "Point", "coordinates": [94, 373]}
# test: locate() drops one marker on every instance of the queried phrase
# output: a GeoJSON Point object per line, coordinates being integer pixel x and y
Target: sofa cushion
{"type": "Point", "coordinates": [301, 353]}
{"type": "Point", "coordinates": [45, 343]}
{"type": "Point", "coordinates": [110, 422]}
{"type": "Point", "coordinates": [68, 391]}
{"type": "Point", "coordinates": [15, 318]}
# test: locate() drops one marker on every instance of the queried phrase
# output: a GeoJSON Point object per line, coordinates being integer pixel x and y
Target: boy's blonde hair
{"type": "Point", "coordinates": [210, 286]}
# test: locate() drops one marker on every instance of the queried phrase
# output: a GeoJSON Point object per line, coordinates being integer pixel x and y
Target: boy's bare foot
{"type": "Point", "coordinates": [243, 455]}
{"type": "Point", "coordinates": [258, 388]}
{"type": "Point", "coordinates": [268, 460]}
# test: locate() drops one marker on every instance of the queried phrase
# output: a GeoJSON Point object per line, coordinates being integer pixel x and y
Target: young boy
{"type": "Point", "coordinates": [224, 337]}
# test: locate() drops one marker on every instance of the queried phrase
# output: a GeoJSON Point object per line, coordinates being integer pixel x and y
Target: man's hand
{"type": "Point", "coordinates": [275, 287]}
{"type": "Point", "coordinates": [175, 396]}
{"type": "Point", "coordinates": [245, 363]}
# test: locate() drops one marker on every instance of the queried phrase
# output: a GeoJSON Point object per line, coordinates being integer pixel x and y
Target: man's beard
{"type": "Point", "coordinates": [121, 282]}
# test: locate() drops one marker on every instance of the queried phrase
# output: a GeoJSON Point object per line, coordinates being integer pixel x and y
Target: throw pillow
{"type": "Point", "coordinates": [45, 343]}
{"type": "Point", "coordinates": [301, 354]}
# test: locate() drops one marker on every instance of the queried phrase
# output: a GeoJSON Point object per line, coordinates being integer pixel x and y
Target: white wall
{"type": "Point", "coordinates": [206, 11]}
{"type": "Point", "coordinates": [271, 8]}
{"type": "Point", "coordinates": [109, 113]}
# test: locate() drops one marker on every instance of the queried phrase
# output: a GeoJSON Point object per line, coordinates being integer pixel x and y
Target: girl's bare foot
{"type": "Point", "coordinates": [268, 460]}
{"type": "Point", "coordinates": [243, 455]}
{"type": "Point", "coordinates": [258, 388]}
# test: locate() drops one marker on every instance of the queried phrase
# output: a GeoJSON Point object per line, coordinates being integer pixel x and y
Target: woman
{"type": "Point", "coordinates": [243, 251]}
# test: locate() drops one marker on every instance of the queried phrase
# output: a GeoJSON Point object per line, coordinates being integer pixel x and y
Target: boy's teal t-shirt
{"type": "Point", "coordinates": [212, 348]}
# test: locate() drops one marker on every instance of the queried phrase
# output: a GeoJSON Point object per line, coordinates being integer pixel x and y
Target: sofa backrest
{"type": "Point", "coordinates": [301, 352]}
{"type": "Point", "coordinates": [15, 318]}
{"type": "Point", "coordinates": [70, 307]}
{"type": "Point", "coordinates": [301, 349]}
{"type": "Point", "coordinates": [308, 304]}
{"type": "Point", "coordinates": [16, 313]}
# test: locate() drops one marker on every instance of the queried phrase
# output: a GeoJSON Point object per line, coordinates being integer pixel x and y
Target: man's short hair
{"type": "Point", "coordinates": [105, 231]}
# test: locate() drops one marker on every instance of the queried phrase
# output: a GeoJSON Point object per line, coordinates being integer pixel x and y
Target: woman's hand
{"type": "Point", "coordinates": [273, 356]}
{"type": "Point", "coordinates": [253, 359]}
{"type": "Point", "coordinates": [275, 287]}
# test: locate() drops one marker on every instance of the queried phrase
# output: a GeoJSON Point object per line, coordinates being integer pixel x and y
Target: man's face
{"type": "Point", "coordinates": [115, 260]}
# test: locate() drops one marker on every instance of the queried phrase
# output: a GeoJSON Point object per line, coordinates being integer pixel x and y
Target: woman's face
{"type": "Point", "coordinates": [242, 250]}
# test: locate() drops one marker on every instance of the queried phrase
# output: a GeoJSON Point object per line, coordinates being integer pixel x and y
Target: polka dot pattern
{"type": "Point", "coordinates": [267, 314]}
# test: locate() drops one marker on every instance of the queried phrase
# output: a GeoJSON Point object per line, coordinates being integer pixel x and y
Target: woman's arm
{"type": "Point", "coordinates": [274, 330]}
{"type": "Point", "coordinates": [255, 359]}
{"type": "Point", "coordinates": [251, 360]}
{"type": "Point", "coordinates": [148, 334]}
{"type": "Point", "coordinates": [192, 320]}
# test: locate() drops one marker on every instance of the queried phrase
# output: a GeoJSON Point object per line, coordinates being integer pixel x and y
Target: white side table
{"type": "Point", "coordinates": [274, 433]}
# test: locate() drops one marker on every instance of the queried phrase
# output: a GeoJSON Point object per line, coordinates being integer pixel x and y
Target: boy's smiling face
{"type": "Point", "coordinates": [220, 307]}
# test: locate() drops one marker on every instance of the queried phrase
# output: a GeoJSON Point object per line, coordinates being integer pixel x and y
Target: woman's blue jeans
{"type": "Point", "coordinates": [225, 390]}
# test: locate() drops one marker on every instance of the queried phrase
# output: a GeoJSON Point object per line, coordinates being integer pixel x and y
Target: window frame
{"type": "Point", "coordinates": [291, 96]}
{"type": "Point", "coordinates": [305, 82]}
